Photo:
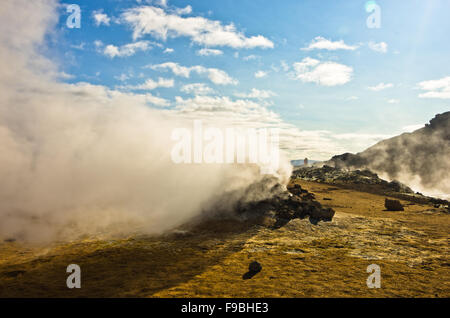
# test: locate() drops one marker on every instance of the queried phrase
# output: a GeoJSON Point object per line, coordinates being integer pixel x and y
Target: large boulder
{"type": "Point", "coordinates": [393, 205]}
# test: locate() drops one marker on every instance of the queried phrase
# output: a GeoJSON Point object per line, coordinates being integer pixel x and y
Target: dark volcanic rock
{"type": "Point", "coordinates": [332, 175]}
{"type": "Point", "coordinates": [297, 190]}
{"type": "Point", "coordinates": [396, 186]}
{"type": "Point", "coordinates": [393, 205]}
{"type": "Point", "coordinates": [285, 206]}
{"type": "Point", "coordinates": [253, 269]}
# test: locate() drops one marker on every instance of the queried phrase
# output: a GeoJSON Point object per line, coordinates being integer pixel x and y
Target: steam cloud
{"type": "Point", "coordinates": [84, 159]}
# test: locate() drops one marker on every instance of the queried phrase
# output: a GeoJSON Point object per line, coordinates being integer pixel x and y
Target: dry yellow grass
{"type": "Point", "coordinates": [299, 260]}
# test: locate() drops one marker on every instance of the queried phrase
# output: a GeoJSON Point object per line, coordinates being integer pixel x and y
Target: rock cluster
{"type": "Point", "coordinates": [285, 206]}
{"type": "Point", "coordinates": [327, 174]}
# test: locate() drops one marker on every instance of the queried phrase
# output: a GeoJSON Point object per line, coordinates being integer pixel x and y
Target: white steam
{"type": "Point", "coordinates": [84, 159]}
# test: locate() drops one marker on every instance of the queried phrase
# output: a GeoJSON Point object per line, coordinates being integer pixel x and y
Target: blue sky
{"type": "Point", "coordinates": [326, 72]}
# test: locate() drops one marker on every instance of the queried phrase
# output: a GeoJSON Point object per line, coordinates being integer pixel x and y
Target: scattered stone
{"type": "Point", "coordinates": [10, 240]}
{"type": "Point", "coordinates": [393, 205]}
{"type": "Point", "coordinates": [327, 199]}
{"type": "Point", "coordinates": [253, 269]}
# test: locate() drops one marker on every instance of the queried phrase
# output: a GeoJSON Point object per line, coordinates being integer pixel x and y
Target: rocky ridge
{"type": "Point", "coordinates": [366, 180]}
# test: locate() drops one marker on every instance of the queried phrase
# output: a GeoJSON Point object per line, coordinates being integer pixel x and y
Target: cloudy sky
{"type": "Point", "coordinates": [313, 68]}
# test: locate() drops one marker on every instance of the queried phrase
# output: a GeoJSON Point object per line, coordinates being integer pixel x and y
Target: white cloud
{"type": "Point", "coordinates": [197, 89]}
{"type": "Point", "coordinates": [274, 68]}
{"type": "Point", "coordinates": [381, 47]}
{"type": "Point", "coordinates": [162, 3]}
{"type": "Point", "coordinates": [380, 87]}
{"type": "Point", "coordinates": [393, 101]}
{"type": "Point", "coordinates": [66, 76]}
{"type": "Point", "coordinates": [353, 136]}
{"type": "Point", "coordinates": [85, 92]}
{"type": "Point", "coordinates": [411, 128]}
{"type": "Point", "coordinates": [261, 74]}
{"type": "Point", "coordinates": [177, 69]}
{"type": "Point", "coordinates": [168, 50]}
{"type": "Point", "coordinates": [209, 52]}
{"type": "Point", "coordinates": [160, 24]}
{"type": "Point", "coordinates": [353, 98]}
{"type": "Point", "coordinates": [324, 73]}
{"type": "Point", "coordinates": [320, 43]}
{"type": "Point", "coordinates": [215, 75]}
{"type": "Point", "coordinates": [130, 49]}
{"type": "Point", "coordinates": [358, 140]}
{"type": "Point", "coordinates": [220, 77]}
{"type": "Point", "coordinates": [79, 46]}
{"type": "Point", "coordinates": [151, 84]}
{"type": "Point", "coordinates": [237, 111]}
{"type": "Point", "coordinates": [244, 113]}
{"type": "Point", "coordinates": [256, 93]}
{"type": "Point", "coordinates": [251, 57]}
{"type": "Point", "coordinates": [122, 77]}
{"type": "Point", "coordinates": [98, 44]}
{"type": "Point", "coordinates": [183, 11]}
{"type": "Point", "coordinates": [101, 18]}
{"type": "Point", "coordinates": [435, 88]}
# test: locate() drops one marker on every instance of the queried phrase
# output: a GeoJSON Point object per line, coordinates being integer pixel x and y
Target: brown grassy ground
{"type": "Point", "coordinates": [299, 260]}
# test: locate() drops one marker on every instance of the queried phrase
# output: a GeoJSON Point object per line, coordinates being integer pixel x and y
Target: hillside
{"type": "Point", "coordinates": [420, 157]}
{"type": "Point", "coordinates": [299, 259]}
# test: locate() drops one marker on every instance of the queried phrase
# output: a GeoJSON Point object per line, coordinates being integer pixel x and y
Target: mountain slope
{"type": "Point", "coordinates": [420, 157]}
